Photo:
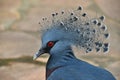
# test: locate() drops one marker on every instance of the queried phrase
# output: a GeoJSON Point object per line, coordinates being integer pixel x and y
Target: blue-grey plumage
{"type": "Point", "coordinates": [70, 67]}
{"type": "Point", "coordinates": [58, 39]}
{"type": "Point", "coordinates": [74, 69]}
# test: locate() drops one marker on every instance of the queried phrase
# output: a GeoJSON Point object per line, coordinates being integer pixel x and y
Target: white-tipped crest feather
{"type": "Point", "coordinates": [77, 27]}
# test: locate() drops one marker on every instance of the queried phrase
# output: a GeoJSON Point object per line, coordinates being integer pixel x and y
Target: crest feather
{"type": "Point", "coordinates": [84, 32]}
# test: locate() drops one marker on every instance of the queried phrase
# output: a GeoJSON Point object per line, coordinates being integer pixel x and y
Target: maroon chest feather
{"type": "Point", "coordinates": [49, 71]}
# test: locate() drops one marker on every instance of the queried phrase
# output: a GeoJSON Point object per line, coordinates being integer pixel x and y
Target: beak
{"type": "Point", "coordinates": [37, 54]}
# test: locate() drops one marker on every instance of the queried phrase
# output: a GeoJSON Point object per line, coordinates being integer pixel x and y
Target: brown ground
{"type": "Point", "coordinates": [110, 8]}
{"type": "Point", "coordinates": [19, 35]}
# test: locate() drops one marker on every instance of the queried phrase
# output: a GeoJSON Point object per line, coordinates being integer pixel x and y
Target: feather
{"type": "Point", "coordinates": [80, 31]}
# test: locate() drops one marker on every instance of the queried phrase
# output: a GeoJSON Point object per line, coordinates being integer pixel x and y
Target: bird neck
{"type": "Point", "coordinates": [58, 59]}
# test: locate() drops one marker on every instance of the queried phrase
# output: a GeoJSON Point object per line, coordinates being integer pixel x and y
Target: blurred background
{"type": "Point", "coordinates": [20, 36]}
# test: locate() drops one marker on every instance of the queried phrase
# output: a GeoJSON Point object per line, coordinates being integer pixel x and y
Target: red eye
{"type": "Point", "coordinates": [50, 44]}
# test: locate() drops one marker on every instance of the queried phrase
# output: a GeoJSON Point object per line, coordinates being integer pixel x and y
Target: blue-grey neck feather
{"type": "Point", "coordinates": [58, 60]}
{"type": "Point", "coordinates": [76, 27]}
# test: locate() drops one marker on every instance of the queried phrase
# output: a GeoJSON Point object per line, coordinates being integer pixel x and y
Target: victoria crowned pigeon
{"type": "Point", "coordinates": [65, 29]}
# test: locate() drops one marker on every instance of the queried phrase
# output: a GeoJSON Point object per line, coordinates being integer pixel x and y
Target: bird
{"type": "Point", "coordinates": [65, 29]}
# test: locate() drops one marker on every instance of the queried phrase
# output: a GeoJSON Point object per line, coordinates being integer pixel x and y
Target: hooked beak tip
{"type": "Point", "coordinates": [37, 54]}
{"type": "Point", "coordinates": [34, 57]}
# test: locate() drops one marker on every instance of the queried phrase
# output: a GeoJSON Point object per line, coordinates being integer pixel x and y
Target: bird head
{"type": "Point", "coordinates": [72, 28]}
{"type": "Point", "coordinates": [54, 41]}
